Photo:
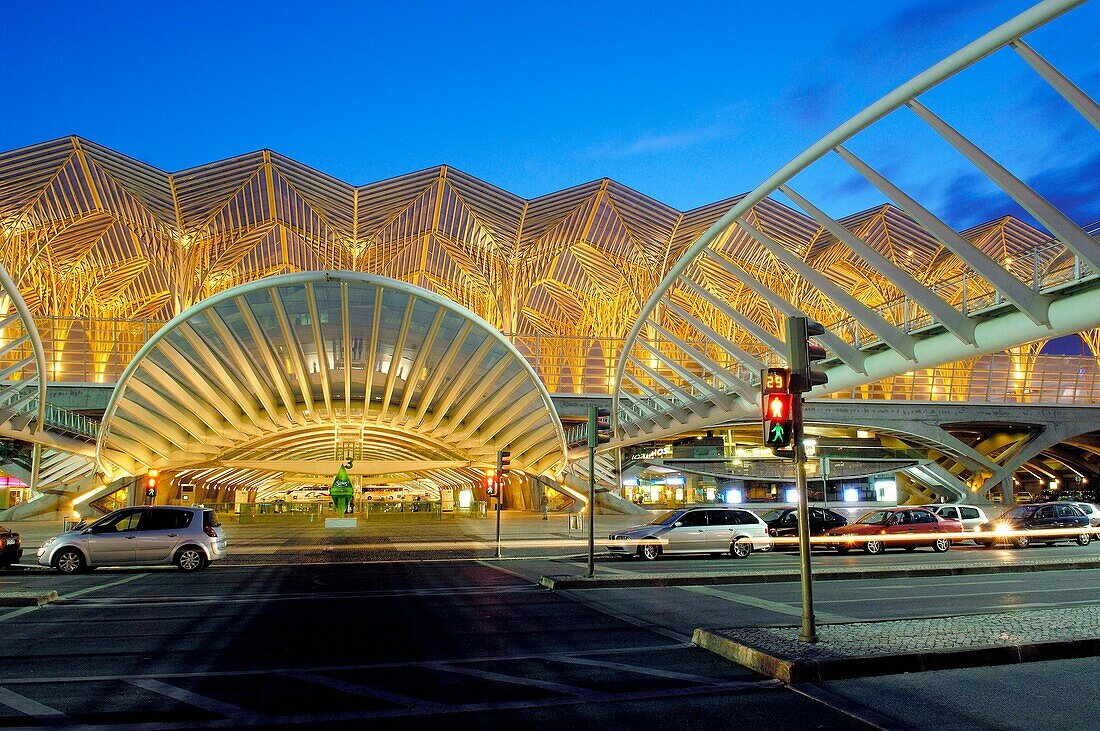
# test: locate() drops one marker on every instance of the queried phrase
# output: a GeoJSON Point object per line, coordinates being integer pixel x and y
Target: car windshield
{"type": "Point", "coordinates": [667, 518]}
{"type": "Point", "coordinates": [773, 514]}
{"type": "Point", "coordinates": [877, 517]}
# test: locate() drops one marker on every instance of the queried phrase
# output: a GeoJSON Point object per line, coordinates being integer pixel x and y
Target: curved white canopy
{"type": "Point", "coordinates": [322, 365]}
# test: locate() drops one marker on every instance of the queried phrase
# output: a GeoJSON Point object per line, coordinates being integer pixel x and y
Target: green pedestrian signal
{"type": "Point", "coordinates": [778, 419]}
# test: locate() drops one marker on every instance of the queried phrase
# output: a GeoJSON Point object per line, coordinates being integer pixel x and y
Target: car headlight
{"type": "Point", "coordinates": [46, 543]}
{"type": "Point", "coordinates": [1002, 528]}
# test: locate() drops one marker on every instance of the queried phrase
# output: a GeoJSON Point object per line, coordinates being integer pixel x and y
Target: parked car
{"type": "Point", "coordinates": [1023, 497]}
{"type": "Point", "coordinates": [11, 548]}
{"type": "Point", "coordinates": [783, 522]}
{"type": "Point", "coordinates": [1070, 521]}
{"type": "Point", "coordinates": [970, 516]}
{"type": "Point", "coordinates": [713, 530]}
{"type": "Point", "coordinates": [139, 536]}
{"type": "Point", "coordinates": [886, 527]}
{"type": "Point", "coordinates": [1091, 511]}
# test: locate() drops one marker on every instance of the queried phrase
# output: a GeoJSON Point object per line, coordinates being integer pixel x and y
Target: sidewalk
{"type": "Point", "coordinates": [905, 646]}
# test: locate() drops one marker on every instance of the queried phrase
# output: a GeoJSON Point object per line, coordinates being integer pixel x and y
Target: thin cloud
{"type": "Point", "coordinates": [873, 56]}
{"type": "Point", "coordinates": [658, 143]}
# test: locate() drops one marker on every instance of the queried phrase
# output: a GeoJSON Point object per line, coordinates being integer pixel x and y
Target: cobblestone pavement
{"type": "Point", "coordinates": [864, 648]}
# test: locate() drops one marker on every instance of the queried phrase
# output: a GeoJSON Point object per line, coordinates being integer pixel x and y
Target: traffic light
{"type": "Point", "coordinates": [151, 485]}
{"type": "Point", "coordinates": [778, 419]}
{"type": "Point", "coordinates": [490, 482]}
{"type": "Point", "coordinates": [803, 354]}
{"type": "Point", "coordinates": [599, 426]}
{"type": "Point", "coordinates": [504, 463]}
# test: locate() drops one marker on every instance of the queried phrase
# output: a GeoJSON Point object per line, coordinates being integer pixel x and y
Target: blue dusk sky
{"type": "Point", "coordinates": [687, 103]}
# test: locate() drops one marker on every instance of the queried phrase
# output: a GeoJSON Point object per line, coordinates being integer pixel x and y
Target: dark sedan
{"type": "Point", "coordinates": [783, 522]}
{"type": "Point", "coordinates": [11, 548]}
{"type": "Point", "coordinates": [1038, 523]}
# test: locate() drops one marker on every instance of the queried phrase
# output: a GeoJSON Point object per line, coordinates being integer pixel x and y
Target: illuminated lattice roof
{"type": "Point", "coordinates": [90, 233]}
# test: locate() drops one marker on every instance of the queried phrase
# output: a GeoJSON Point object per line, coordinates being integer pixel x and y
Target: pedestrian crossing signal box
{"type": "Point", "coordinates": [778, 420]}
{"type": "Point", "coordinates": [777, 407]}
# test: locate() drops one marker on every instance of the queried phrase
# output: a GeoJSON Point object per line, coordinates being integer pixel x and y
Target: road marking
{"type": "Point", "coordinates": [608, 612]}
{"type": "Point", "coordinates": [362, 690]}
{"type": "Point", "coordinates": [25, 705]}
{"type": "Point", "coordinates": [848, 708]}
{"type": "Point", "coordinates": [574, 595]}
{"type": "Point", "coordinates": [235, 713]}
{"type": "Point", "coordinates": [515, 680]}
{"type": "Point", "coordinates": [27, 610]}
{"type": "Point", "coordinates": [108, 585]}
{"type": "Point", "coordinates": [969, 595]}
{"type": "Point", "coordinates": [314, 596]}
{"type": "Point", "coordinates": [758, 603]}
{"type": "Point", "coordinates": [642, 670]}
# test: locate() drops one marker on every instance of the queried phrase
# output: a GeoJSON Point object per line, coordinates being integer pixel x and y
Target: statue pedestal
{"type": "Point", "coordinates": [341, 522]}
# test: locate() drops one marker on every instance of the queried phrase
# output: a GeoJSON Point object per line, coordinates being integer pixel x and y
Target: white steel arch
{"type": "Point", "coordinates": [315, 365]}
{"type": "Point", "coordinates": [686, 363]}
{"type": "Point", "coordinates": [23, 361]}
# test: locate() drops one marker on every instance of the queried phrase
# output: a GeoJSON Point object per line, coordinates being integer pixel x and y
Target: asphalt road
{"type": "Point", "coordinates": [415, 626]}
{"type": "Point", "coordinates": [410, 645]}
{"type": "Point", "coordinates": [465, 644]}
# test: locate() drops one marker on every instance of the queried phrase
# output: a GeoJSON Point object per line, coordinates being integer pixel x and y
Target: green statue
{"type": "Point", "coordinates": [341, 491]}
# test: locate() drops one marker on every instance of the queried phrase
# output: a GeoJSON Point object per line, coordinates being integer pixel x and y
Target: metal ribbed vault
{"type": "Point", "coordinates": [317, 366]}
{"type": "Point", "coordinates": [936, 295]}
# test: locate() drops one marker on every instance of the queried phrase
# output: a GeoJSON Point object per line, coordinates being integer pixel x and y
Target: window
{"type": "Point", "coordinates": [118, 523]}
{"type": "Point", "coordinates": [694, 519]}
{"type": "Point", "coordinates": [165, 519]}
{"type": "Point", "coordinates": [1047, 512]}
{"type": "Point", "coordinates": [816, 515]}
{"type": "Point", "coordinates": [970, 513]}
{"type": "Point", "coordinates": [721, 517]}
{"type": "Point", "coordinates": [901, 518]}
{"type": "Point", "coordinates": [922, 516]}
{"type": "Point", "coordinates": [1068, 511]}
{"type": "Point", "coordinates": [744, 517]}
{"type": "Point", "coordinates": [951, 513]}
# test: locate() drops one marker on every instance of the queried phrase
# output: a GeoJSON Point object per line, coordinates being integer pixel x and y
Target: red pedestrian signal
{"type": "Point", "coordinates": [778, 420]}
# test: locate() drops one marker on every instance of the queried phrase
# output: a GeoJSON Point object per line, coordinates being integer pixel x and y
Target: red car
{"type": "Point", "coordinates": [886, 527]}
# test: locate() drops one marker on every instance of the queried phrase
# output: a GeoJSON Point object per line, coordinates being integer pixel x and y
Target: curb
{"type": "Point", "coordinates": [793, 671]}
{"type": "Point", "coordinates": [572, 581]}
{"type": "Point", "coordinates": [26, 598]}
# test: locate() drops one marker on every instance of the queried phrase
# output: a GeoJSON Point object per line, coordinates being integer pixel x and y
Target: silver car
{"type": "Point", "coordinates": [970, 516]}
{"type": "Point", "coordinates": [713, 530]}
{"type": "Point", "coordinates": [139, 536]}
{"type": "Point", "coordinates": [1091, 510]}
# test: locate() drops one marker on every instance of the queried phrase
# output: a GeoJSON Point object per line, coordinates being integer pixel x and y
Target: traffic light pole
{"type": "Point", "coordinates": [498, 520]}
{"type": "Point", "coordinates": [800, 358]}
{"type": "Point", "coordinates": [592, 441]}
{"type": "Point", "coordinates": [809, 631]}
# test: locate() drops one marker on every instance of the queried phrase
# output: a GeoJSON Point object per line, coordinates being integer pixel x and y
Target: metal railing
{"type": "Point", "coordinates": [1000, 378]}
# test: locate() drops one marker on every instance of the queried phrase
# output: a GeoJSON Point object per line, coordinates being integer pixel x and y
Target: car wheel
{"type": "Point", "coordinates": [842, 550]}
{"type": "Point", "coordinates": [649, 551]}
{"type": "Point", "coordinates": [1021, 541]}
{"type": "Point", "coordinates": [741, 548]}
{"type": "Point", "coordinates": [1084, 539]}
{"type": "Point", "coordinates": [941, 545]}
{"type": "Point", "coordinates": [190, 558]}
{"type": "Point", "coordinates": [69, 561]}
{"type": "Point", "coordinates": [874, 547]}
